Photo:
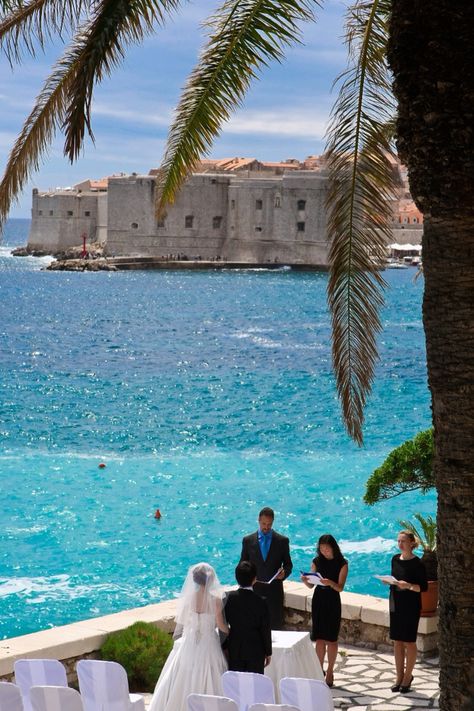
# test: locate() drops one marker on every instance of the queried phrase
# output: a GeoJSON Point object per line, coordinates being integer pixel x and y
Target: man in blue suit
{"type": "Point", "coordinates": [269, 551]}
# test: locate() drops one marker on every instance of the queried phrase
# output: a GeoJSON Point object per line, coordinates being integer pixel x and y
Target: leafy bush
{"type": "Point", "coordinates": [142, 650]}
{"type": "Point", "coordinates": [408, 467]}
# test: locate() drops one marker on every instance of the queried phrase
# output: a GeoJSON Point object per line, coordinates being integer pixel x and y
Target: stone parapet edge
{"type": "Point", "coordinates": [364, 622]}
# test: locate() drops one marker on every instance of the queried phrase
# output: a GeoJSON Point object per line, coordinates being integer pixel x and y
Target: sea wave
{"type": "Point", "coordinates": [56, 587]}
{"type": "Point", "coordinates": [371, 545]}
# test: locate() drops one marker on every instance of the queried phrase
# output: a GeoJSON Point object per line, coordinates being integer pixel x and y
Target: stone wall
{"type": "Point", "coordinates": [60, 218]}
{"type": "Point", "coordinates": [276, 219]}
{"type": "Point", "coordinates": [364, 623]}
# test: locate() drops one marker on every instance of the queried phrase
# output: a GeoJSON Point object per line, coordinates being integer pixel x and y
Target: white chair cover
{"type": "Point", "coordinates": [10, 697]}
{"type": "Point", "coordinates": [104, 685]}
{"type": "Point", "coordinates": [55, 698]}
{"type": "Point", "coordinates": [272, 707]}
{"type": "Point", "coordinates": [38, 672]}
{"type": "Point", "coordinates": [206, 702]}
{"type": "Point", "coordinates": [247, 688]}
{"type": "Point", "coordinates": [306, 694]}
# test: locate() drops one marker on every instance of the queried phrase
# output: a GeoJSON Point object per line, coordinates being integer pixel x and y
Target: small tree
{"type": "Point", "coordinates": [142, 649]}
{"type": "Point", "coordinates": [407, 468]}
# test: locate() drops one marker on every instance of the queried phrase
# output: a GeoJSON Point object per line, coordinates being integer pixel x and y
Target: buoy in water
{"type": "Point", "coordinates": [102, 465]}
{"type": "Point", "coordinates": [157, 513]}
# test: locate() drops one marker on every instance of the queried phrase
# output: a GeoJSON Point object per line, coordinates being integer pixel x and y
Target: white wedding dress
{"type": "Point", "coordinates": [194, 666]}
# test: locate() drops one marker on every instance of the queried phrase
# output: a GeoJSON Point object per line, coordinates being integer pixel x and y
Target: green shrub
{"type": "Point", "coordinates": [142, 650]}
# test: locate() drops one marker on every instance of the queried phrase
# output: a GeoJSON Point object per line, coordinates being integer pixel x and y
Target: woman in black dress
{"type": "Point", "coordinates": [326, 603]}
{"type": "Point", "coordinates": [405, 608]}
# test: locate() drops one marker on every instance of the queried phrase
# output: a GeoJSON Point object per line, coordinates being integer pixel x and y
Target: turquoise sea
{"type": "Point", "coordinates": [208, 395]}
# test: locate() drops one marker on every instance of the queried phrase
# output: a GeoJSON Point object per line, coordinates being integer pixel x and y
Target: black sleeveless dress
{"type": "Point", "coordinates": [326, 603]}
{"type": "Point", "coordinates": [405, 605]}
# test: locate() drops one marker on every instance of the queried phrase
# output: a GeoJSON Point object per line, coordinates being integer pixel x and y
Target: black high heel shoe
{"type": "Point", "coordinates": [406, 689]}
{"type": "Point", "coordinates": [395, 688]}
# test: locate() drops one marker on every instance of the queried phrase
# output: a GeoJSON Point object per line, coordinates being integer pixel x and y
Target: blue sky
{"type": "Point", "coordinates": [284, 115]}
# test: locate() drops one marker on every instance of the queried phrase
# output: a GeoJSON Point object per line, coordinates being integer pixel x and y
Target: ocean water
{"type": "Point", "coordinates": [207, 395]}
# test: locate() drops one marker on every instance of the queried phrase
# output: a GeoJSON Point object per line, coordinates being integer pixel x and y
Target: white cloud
{"type": "Point", "coordinates": [294, 122]}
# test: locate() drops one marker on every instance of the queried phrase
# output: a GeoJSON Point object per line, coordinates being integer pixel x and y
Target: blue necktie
{"type": "Point", "coordinates": [265, 545]}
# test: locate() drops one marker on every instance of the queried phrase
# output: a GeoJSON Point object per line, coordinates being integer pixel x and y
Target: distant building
{"type": "Point", "coordinates": [234, 209]}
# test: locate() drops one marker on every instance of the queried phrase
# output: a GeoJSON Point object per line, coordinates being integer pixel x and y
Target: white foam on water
{"type": "Point", "coordinates": [371, 545]}
{"type": "Point", "coordinates": [57, 587]}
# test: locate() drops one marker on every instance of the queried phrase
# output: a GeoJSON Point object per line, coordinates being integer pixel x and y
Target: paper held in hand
{"type": "Point", "coordinates": [389, 579]}
{"type": "Point", "coordinates": [274, 577]}
{"type": "Point", "coordinates": [313, 578]}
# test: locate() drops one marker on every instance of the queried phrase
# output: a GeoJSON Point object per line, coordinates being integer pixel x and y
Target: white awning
{"type": "Point", "coordinates": [405, 247]}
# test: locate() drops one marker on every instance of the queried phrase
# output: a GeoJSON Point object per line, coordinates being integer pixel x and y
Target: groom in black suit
{"type": "Point", "coordinates": [249, 644]}
{"type": "Point", "coordinates": [269, 551]}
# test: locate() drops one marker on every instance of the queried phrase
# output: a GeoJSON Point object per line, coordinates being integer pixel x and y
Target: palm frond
{"type": "Point", "coordinates": [245, 35]}
{"type": "Point", "coordinates": [36, 135]}
{"type": "Point", "coordinates": [97, 49]}
{"type": "Point", "coordinates": [362, 182]}
{"type": "Point", "coordinates": [31, 24]}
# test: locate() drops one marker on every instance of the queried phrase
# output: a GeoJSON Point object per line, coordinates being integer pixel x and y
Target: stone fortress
{"type": "Point", "coordinates": [237, 210]}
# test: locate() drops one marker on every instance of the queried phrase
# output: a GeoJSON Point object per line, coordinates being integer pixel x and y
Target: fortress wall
{"type": "Point", "coordinates": [236, 219]}
{"type": "Point", "coordinates": [59, 219]}
{"type": "Point", "coordinates": [266, 224]}
{"type": "Point", "coordinates": [195, 225]}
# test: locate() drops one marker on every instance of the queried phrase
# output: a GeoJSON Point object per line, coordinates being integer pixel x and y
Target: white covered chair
{"type": "Point", "coordinates": [38, 672]}
{"type": "Point", "coordinates": [306, 694]}
{"type": "Point", "coordinates": [10, 697]}
{"type": "Point", "coordinates": [272, 707]}
{"type": "Point", "coordinates": [206, 702]}
{"type": "Point", "coordinates": [55, 698]}
{"type": "Point", "coordinates": [247, 688]}
{"type": "Point", "coordinates": [104, 686]}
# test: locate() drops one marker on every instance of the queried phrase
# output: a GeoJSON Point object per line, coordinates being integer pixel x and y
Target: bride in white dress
{"type": "Point", "coordinates": [196, 662]}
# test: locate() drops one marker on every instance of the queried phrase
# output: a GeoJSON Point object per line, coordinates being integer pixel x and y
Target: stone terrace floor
{"type": "Point", "coordinates": [363, 678]}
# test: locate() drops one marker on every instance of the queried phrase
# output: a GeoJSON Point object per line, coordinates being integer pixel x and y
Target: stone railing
{"type": "Point", "coordinates": [364, 623]}
{"type": "Point", "coordinates": [365, 620]}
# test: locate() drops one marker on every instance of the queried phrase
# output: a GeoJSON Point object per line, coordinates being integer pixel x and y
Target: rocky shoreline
{"type": "Point", "coordinates": [72, 259]}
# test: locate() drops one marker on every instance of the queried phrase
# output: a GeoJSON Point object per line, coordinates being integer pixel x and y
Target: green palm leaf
{"type": "Point", "coordinates": [59, 104]}
{"type": "Point", "coordinates": [32, 23]}
{"type": "Point", "coordinates": [98, 48]}
{"type": "Point", "coordinates": [361, 184]}
{"type": "Point", "coordinates": [245, 35]}
{"type": "Point", "coordinates": [36, 135]}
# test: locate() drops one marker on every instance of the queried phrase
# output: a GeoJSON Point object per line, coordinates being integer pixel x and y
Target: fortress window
{"type": "Point", "coordinates": [134, 225]}
{"type": "Point", "coordinates": [258, 229]}
{"type": "Point", "coordinates": [300, 226]}
{"type": "Point", "coordinates": [258, 204]}
{"type": "Point", "coordinates": [51, 213]}
{"type": "Point", "coordinates": [87, 213]}
{"type": "Point", "coordinates": [40, 212]}
{"type": "Point", "coordinates": [188, 221]}
{"type": "Point", "coordinates": [213, 181]}
{"type": "Point", "coordinates": [277, 201]}
{"type": "Point", "coordinates": [415, 220]}
{"type": "Point", "coordinates": [70, 213]}
{"type": "Point", "coordinates": [301, 204]}
{"type": "Point", "coordinates": [217, 222]}
{"type": "Point", "coordinates": [232, 204]}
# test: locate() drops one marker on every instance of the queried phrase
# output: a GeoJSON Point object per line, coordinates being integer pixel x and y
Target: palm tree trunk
{"type": "Point", "coordinates": [431, 56]}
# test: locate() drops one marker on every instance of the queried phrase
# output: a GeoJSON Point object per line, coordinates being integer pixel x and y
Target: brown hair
{"type": "Point", "coordinates": [415, 542]}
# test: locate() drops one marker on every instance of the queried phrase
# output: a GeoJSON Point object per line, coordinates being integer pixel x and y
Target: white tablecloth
{"type": "Point", "coordinates": [293, 655]}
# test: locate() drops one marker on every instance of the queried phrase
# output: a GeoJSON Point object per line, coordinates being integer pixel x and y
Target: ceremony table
{"type": "Point", "coordinates": [293, 655]}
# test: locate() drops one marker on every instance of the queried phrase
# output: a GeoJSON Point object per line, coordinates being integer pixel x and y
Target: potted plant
{"type": "Point", "coordinates": [425, 532]}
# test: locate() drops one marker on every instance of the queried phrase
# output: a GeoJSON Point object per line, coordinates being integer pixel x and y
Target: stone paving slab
{"type": "Point", "coordinates": [362, 681]}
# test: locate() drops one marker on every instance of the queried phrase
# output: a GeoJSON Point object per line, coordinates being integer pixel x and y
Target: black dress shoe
{"type": "Point", "coordinates": [406, 689]}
